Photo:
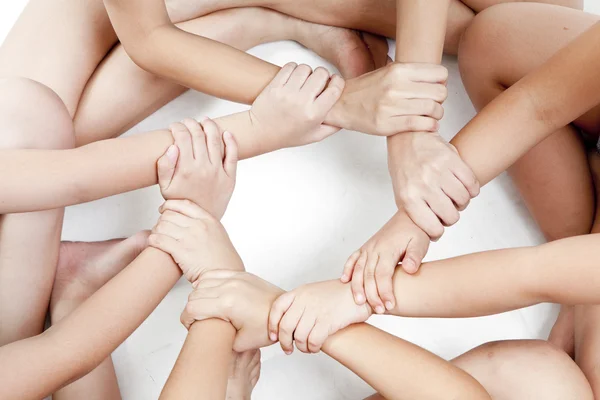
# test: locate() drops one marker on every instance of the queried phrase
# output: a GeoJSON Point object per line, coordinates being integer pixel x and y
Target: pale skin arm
{"type": "Point", "coordinates": [564, 271]}
{"type": "Point", "coordinates": [557, 93]}
{"type": "Point", "coordinates": [400, 370]}
{"type": "Point", "coordinates": [202, 367]}
{"type": "Point", "coordinates": [36, 367]}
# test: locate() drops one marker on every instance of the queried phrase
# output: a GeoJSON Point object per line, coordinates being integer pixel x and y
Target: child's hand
{"type": "Point", "coordinates": [200, 166]}
{"type": "Point", "coordinates": [311, 313]}
{"type": "Point", "coordinates": [195, 239]}
{"type": "Point", "coordinates": [396, 98]}
{"type": "Point", "coordinates": [431, 182]}
{"type": "Point", "coordinates": [290, 110]}
{"type": "Point", "coordinates": [237, 297]}
{"type": "Point", "coordinates": [372, 267]}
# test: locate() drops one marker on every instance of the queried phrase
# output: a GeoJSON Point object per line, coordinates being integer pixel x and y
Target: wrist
{"type": "Point", "coordinates": [338, 115]}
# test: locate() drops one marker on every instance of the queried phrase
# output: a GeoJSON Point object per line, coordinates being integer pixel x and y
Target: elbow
{"type": "Point", "coordinates": [143, 47]}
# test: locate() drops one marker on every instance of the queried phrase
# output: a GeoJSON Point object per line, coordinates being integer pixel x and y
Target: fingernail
{"type": "Point", "coordinates": [360, 298]}
{"type": "Point", "coordinates": [288, 352]}
{"type": "Point", "coordinates": [204, 119]}
{"type": "Point", "coordinates": [344, 278]}
{"type": "Point", "coordinates": [227, 134]}
{"type": "Point", "coordinates": [379, 310]}
{"type": "Point", "coordinates": [273, 336]}
{"type": "Point", "coordinates": [389, 305]}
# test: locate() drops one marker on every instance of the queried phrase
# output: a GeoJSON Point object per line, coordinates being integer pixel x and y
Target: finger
{"type": "Point", "coordinates": [279, 307]}
{"type": "Point", "coordinates": [166, 167]}
{"type": "Point", "coordinates": [358, 278]}
{"type": "Point", "coordinates": [164, 243]}
{"type": "Point", "coordinates": [169, 229]}
{"type": "Point", "coordinates": [415, 252]}
{"type": "Point", "coordinates": [298, 77]}
{"type": "Point", "coordinates": [283, 75]}
{"type": "Point", "coordinates": [384, 277]}
{"type": "Point", "coordinates": [183, 140]}
{"type": "Point", "coordinates": [201, 288]}
{"type": "Point", "coordinates": [349, 266]}
{"type": "Point", "coordinates": [231, 155]}
{"type": "Point", "coordinates": [424, 107]}
{"type": "Point", "coordinates": [201, 309]}
{"type": "Point", "coordinates": [455, 190]}
{"type": "Point", "coordinates": [287, 326]}
{"type": "Point", "coordinates": [198, 138]}
{"type": "Point", "coordinates": [176, 218]}
{"type": "Point", "coordinates": [316, 82]}
{"type": "Point", "coordinates": [371, 286]}
{"type": "Point", "coordinates": [317, 337]}
{"type": "Point", "coordinates": [430, 73]}
{"type": "Point", "coordinates": [185, 207]}
{"type": "Point", "coordinates": [306, 324]}
{"type": "Point", "coordinates": [425, 219]}
{"type": "Point", "coordinates": [434, 91]}
{"type": "Point", "coordinates": [214, 141]}
{"type": "Point", "coordinates": [443, 207]}
{"type": "Point", "coordinates": [412, 123]}
{"type": "Point", "coordinates": [331, 94]}
{"type": "Point", "coordinates": [467, 178]}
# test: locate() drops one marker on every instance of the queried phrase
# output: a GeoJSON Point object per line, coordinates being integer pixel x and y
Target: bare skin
{"type": "Point", "coordinates": [559, 164]}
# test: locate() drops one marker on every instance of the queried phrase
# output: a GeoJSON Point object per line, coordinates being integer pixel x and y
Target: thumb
{"type": "Point", "coordinates": [324, 131]}
{"type": "Point", "coordinates": [415, 252]}
{"type": "Point", "coordinates": [166, 167]}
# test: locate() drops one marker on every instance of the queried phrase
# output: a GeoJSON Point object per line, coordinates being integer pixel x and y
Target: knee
{"type": "Point", "coordinates": [479, 52]}
{"type": "Point", "coordinates": [32, 116]}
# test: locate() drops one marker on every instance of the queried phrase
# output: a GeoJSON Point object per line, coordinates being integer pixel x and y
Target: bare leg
{"type": "Point", "coordinates": [553, 178]}
{"type": "Point", "coordinates": [82, 269]}
{"type": "Point", "coordinates": [32, 116]}
{"type": "Point", "coordinates": [525, 369]}
{"type": "Point", "coordinates": [242, 28]}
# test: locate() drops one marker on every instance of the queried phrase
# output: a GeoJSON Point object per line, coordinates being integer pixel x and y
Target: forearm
{"type": "Point", "coordinates": [35, 180]}
{"type": "Point", "coordinates": [557, 93]}
{"type": "Point", "coordinates": [420, 35]}
{"type": "Point", "coordinates": [397, 369]}
{"type": "Point", "coordinates": [564, 271]}
{"type": "Point", "coordinates": [36, 367]}
{"type": "Point", "coordinates": [202, 367]}
{"type": "Point", "coordinates": [421, 30]}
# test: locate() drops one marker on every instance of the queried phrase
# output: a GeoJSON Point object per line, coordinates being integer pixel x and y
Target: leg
{"type": "Point", "coordinates": [58, 43]}
{"type": "Point", "coordinates": [242, 28]}
{"type": "Point", "coordinates": [32, 116]}
{"type": "Point", "coordinates": [525, 369]}
{"type": "Point", "coordinates": [587, 318]}
{"type": "Point", "coordinates": [532, 33]}
{"type": "Point", "coordinates": [82, 269]}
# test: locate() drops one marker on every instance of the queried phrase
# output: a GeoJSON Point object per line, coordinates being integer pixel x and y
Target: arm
{"type": "Point", "coordinates": [36, 367]}
{"type": "Point", "coordinates": [400, 370]}
{"type": "Point", "coordinates": [554, 95]}
{"type": "Point", "coordinates": [281, 116]}
{"type": "Point", "coordinates": [202, 367]}
{"type": "Point", "coordinates": [158, 46]}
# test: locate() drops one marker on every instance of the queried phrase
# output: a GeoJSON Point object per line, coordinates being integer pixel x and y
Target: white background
{"type": "Point", "coordinates": [295, 217]}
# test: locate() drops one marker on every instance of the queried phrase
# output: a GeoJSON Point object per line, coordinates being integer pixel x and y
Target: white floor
{"type": "Point", "coordinates": [295, 217]}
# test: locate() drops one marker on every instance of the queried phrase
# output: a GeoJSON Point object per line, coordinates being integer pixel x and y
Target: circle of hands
{"type": "Point", "coordinates": [197, 177]}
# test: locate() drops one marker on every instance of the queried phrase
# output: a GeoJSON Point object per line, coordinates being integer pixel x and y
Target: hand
{"type": "Point", "coordinates": [372, 267]}
{"type": "Point", "coordinates": [311, 313]}
{"type": "Point", "coordinates": [393, 99]}
{"type": "Point", "coordinates": [290, 110]}
{"type": "Point", "coordinates": [237, 297]}
{"type": "Point", "coordinates": [195, 239]}
{"type": "Point", "coordinates": [431, 182]}
{"type": "Point", "coordinates": [200, 167]}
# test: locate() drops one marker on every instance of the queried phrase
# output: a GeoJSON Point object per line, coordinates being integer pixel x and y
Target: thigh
{"type": "Point", "coordinates": [525, 369]}
{"type": "Point", "coordinates": [503, 44]}
{"type": "Point", "coordinates": [33, 117]}
{"type": "Point", "coordinates": [58, 43]}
